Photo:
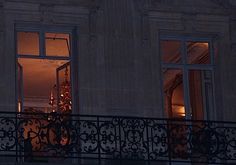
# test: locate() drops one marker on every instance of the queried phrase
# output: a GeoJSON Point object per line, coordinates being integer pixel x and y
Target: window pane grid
{"type": "Point", "coordinates": [28, 43]}
{"type": "Point", "coordinates": [195, 59]}
{"type": "Point", "coordinates": [43, 44]}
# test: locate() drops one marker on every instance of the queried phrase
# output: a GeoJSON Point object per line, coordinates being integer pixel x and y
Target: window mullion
{"type": "Point", "coordinates": [213, 114]}
{"type": "Point", "coordinates": [186, 81]}
{"type": "Point", "coordinates": [188, 110]}
{"type": "Point", "coordinates": [42, 44]}
{"type": "Point", "coordinates": [211, 49]}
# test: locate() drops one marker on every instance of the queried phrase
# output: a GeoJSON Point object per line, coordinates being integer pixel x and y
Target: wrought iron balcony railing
{"type": "Point", "coordinates": [30, 137]}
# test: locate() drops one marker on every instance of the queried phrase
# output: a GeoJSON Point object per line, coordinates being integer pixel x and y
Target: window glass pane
{"type": "Point", "coordinates": [201, 93]}
{"type": "Point", "coordinates": [39, 84]}
{"type": "Point", "coordinates": [57, 44]}
{"type": "Point", "coordinates": [174, 93]}
{"type": "Point", "coordinates": [171, 51]}
{"type": "Point", "coordinates": [198, 53]}
{"type": "Point", "coordinates": [28, 43]}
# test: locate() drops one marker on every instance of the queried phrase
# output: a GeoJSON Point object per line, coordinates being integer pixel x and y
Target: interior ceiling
{"type": "Point", "coordinates": [39, 76]}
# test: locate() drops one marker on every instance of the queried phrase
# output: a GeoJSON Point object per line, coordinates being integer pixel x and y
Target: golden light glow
{"type": "Point", "coordinates": [178, 110]}
{"type": "Point", "coordinates": [205, 44]}
{"type": "Point", "coordinates": [39, 78]}
{"type": "Point", "coordinates": [19, 106]}
{"type": "Point", "coordinates": [181, 111]}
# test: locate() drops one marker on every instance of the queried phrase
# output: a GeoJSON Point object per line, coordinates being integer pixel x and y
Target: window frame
{"type": "Point", "coordinates": [42, 30]}
{"type": "Point", "coordinates": [185, 67]}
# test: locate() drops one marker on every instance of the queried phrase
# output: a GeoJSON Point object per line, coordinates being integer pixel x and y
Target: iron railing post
{"type": "Point", "coordinates": [16, 134]}
{"type": "Point", "coordinates": [147, 134]}
{"type": "Point", "coordinates": [99, 144]}
{"type": "Point", "coordinates": [120, 156]}
{"type": "Point", "coordinates": [169, 142]}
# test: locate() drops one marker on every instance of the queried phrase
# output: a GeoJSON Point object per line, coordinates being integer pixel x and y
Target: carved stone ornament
{"type": "Point", "coordinates": [222, 3]}
{"type": "Point", "coordinates": [189, 22]}
{"type": "Point", "coordinates": [46, 12]}
{"type": "Point", "coordinates": [157, 2]}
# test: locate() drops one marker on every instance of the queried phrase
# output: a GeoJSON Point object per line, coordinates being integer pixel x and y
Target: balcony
{"type": "Point", "coordinates": [49, 138]}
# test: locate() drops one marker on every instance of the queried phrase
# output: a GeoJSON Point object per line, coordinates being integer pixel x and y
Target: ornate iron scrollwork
{"type": "Point", "coordinates": [30, 136]}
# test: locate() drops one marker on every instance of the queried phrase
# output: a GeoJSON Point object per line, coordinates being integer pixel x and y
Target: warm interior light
{"type": "Point", "coordinates": [198, 53]}
{"type": "Point", "coordinates": [19, 106]}
{"type": "Point", "coordinates": [178, 111]}
{"type": "Point", "coordinates": [205, 44]}
{"type": "Point", "coordinates": [181, 111]}
{"type": "Point", "coordinates": [39, 79]}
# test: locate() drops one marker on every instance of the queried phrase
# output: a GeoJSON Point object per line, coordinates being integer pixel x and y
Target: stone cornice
{"type": "Point", "coordinates": [191, 6]}
{"type": "Point", "coordinates": [84, 3]}
{"type": "Point", "coordinates": [227, 4]}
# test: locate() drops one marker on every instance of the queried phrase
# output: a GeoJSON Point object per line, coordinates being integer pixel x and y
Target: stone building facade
{"type": "Point", "coordinates": [118, 49]}
{"type": "Point", "coordinates": [116, 44]}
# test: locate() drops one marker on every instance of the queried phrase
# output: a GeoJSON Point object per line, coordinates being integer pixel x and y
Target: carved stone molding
{"type": "Point", "coordinates": [216, 4]}
{"type": "Point", "coordinates": [233, 49]}
{"type": "Point", "coordinates": [232, 2]}
{"type": "Point", "coordinates": [222, 3]}
{"type": "Point", "coordinates": [189, 22]}
{"type": "Point", "coordinates": [59, 2]}
{"type": "Point", "coordinates": [141, 6]}
{"type": "Point", "coordinates": [157, 2]}
{"type": "Point", "coordinates": [46, 12]}
{"type": "Point", "coordinates": [233, 37]}
{"type": "Point", "coordinates": [1, 3]}
{"type": "Point", "coordinates": [94, 7]}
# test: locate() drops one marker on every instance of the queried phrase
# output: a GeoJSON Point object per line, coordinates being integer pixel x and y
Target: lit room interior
{"type": "Point", "coordinates": [43, 72]}
{"type": "Point", "coordinates": [197, 53]}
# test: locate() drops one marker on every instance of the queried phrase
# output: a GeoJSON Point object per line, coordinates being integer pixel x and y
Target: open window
{"type": "Point", "coordinates": [44, 63]}
{"type": "Point", "coordinates": [45, 84]}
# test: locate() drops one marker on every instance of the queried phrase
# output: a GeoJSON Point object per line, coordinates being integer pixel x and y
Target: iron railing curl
{"type": "Point", "coordinates": [63, 136]}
